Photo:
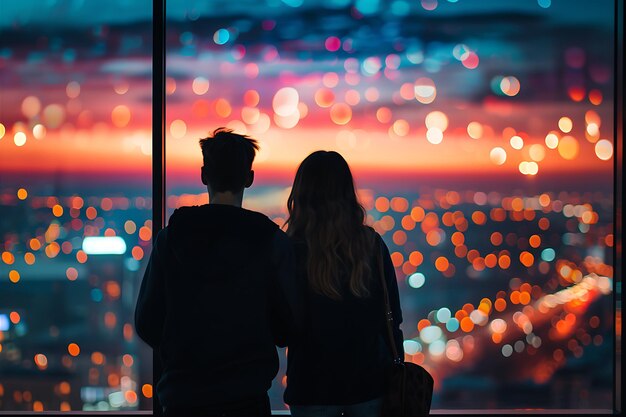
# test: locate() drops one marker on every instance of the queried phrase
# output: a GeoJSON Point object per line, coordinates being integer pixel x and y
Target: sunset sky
{"type": "Point", "coordinates": [429, 99]}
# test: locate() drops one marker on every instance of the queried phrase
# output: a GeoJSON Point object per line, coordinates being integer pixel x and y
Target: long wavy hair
{"type": "Point", "coordinates": [324, 211]}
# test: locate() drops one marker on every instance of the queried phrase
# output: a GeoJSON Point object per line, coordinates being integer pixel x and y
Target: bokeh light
{"type": "Point", "coordinates": [516, 142]}
{"type": "Point", "coordinates": [340, 113]}
{"type": "Point", "coordinates": [537, 152]}
{"type": "Point", "coordinates": [604, 149]}
{"type": "Point", "coordinates": [120, 116]}
{"type": "Point", "coordinates": [497, 155]}
{"type": "Point", "coordinates": [552, 141]}
{"type": "Point", "coordinates": [285, 102]}
{"type": "Point", "coordinates": [568, 147]}
{"type": "Point", "coordinates": [436, 119]}
{"type": "Point", "coordinates": [425, 90]}
{"type": "Point", "coordinates": [434, 135]}
{"type": "Point", "coordinates": [475, 130]}
{"type": "Point", "coordinates": [200, 85]}
{"type": "Point", "coordinates": [565, 124]}
{"type": "Point", "coordinates": [19, 138]}
{"type": "Point", "coordinates": [510, 86]}
{"type": "Point", "coordinates": [178, 129]}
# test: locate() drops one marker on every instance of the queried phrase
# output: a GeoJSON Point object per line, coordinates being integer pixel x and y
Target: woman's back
{"type": "Point", "coordinates": [338, 353]}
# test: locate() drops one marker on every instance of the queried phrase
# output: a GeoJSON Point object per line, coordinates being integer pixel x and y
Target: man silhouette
{"type": "Point", "coordinates": [211, 301]}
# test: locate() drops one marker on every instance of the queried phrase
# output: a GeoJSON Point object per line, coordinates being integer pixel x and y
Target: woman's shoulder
{"type": "Point", "coordinates": [372, 234]}
{"type": "Point", "coordinates": [370, 230]}
{"type": "Point", "coordinates": [296, 239]}
{"type": "Point", "coordinates": [298, 243]}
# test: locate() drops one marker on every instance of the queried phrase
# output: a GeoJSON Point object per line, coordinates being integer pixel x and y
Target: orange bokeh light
{"type": "Point", "coordinates": [73, 349]}
{"type": "Point", "coordinates": [416, 258]}
{"type": "Point", "coordinates": [146, 390]}
{"type": "Point", "coordinates": [526, 258]}
{"type": "Point", "coordinates": [397, 258]}
{"type": "Point", "coordinates": [442, 263]}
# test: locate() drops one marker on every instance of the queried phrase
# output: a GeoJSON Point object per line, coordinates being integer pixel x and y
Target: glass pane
{"type": "Point", "coordinates": [75, 203]}
{"type": "Point", "coordinates": [480, 135]}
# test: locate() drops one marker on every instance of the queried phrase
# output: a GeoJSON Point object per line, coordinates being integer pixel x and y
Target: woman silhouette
{"type": "Point", "coordinates": [338, 351]}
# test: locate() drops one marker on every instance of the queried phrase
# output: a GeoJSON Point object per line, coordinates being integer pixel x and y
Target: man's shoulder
{"type": "Point", "coordinates": [183, 213]}
{"type": "Point", "coordinates": [190, 210]}
{"type": "Point", "coordinates": [281, 238]}
{"type": "Point", "coordinates": [257, 215]}
{"type": "Point", "coordinates": [196, 219]}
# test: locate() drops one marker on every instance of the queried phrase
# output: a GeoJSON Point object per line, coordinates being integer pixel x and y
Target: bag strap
{"type": "Point", "coordinates": [388, 313]}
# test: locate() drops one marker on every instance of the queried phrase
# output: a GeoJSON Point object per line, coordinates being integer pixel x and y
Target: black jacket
{"type": "Point", "coordinates": [212, 304]}
{"type": "Point", "coordinates": [339, 350]}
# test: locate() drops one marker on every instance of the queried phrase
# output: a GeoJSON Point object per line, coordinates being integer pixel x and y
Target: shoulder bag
{"type": "Point", "coordinates": [408, 386]}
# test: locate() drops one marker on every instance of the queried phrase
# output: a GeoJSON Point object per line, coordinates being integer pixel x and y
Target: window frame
{"type": "Point", "coordinates": [159, 197]}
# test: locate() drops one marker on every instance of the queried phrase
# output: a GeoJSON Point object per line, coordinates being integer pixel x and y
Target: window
{"type": "Point", "coordinates": [75, 203]}
{"type": "Point", "coordinates": [480, 134]}
{"type": "Point", "coordinates": [481, 139]}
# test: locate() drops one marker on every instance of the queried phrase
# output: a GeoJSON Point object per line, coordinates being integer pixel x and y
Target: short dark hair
{"type": "Point", "coordinates": [227, 158]}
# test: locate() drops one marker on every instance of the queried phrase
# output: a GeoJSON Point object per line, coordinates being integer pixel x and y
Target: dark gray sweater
{"type": "Point", "coordinates": [212, 303]}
